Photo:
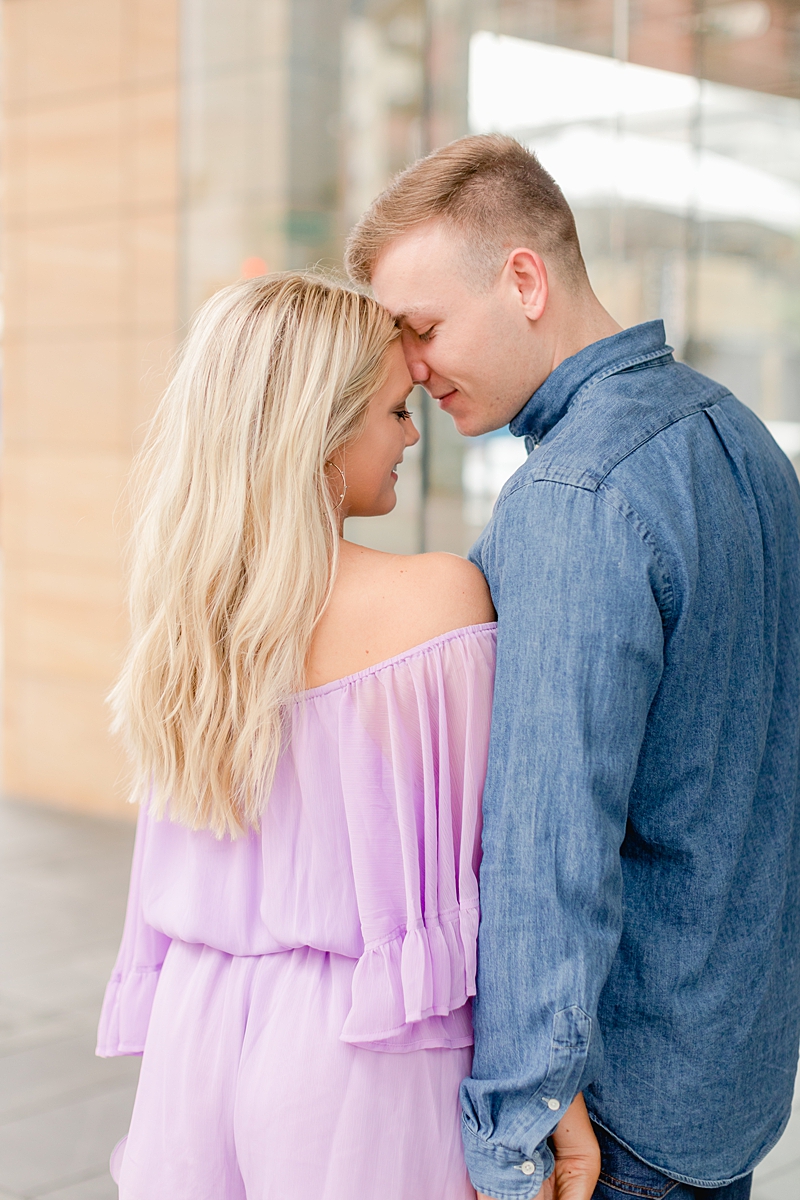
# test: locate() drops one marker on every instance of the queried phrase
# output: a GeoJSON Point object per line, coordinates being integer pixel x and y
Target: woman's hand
{"type": "Point", "coordinates": [577, 1156]}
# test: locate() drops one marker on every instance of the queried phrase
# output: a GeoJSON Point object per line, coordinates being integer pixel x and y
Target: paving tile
{"type": "Point", "coordinates": [55, 984]}
{"type": "Point", "coordinates": [784, 1158]}
{"type": "Point", "coordinates": [784, 1188]}
{"type": "Point", "coordinates": [20, 1029]}
{"type": "Point", "coordinates": [45, 1075]}
{"type": "Point", "coordinates": [778, 1176]}
{"type": "Point", "coordinates": [101, 1187]}
{"type": "Point", "coordinates": [63, 883]}
{"type": "Point", "coordinates": [59, 1147]}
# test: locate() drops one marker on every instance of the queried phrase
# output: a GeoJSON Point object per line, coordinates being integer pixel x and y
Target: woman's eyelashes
{"type": "Point", "coordinates": [404, 413]}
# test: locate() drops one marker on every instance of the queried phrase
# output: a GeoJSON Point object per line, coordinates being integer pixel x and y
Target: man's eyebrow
{"type": "Point", "coordinates": [409, 314]}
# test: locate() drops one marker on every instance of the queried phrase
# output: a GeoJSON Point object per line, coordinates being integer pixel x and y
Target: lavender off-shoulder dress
{"type": "Point", "coordinates": [301, 995]}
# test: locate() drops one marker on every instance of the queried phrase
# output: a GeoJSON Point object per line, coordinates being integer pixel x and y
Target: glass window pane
{"type": "Point", "coordinates": [673, 129]}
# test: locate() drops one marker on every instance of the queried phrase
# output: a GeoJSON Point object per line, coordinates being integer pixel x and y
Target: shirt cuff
{"type": "Point", "coordinates": [505, 1174]}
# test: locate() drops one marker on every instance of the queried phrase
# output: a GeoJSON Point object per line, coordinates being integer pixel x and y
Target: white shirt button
{"type": "Point", "coordinates": [554, 1105]}
{"type": "Point", "coordinates": [528, 1168]}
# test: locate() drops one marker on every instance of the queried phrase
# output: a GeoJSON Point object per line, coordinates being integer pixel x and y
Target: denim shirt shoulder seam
{"type": "Point", "coordinates": [649, 358]}
{"type": "Point", "coordinates": [634, 519]}
{"type": "Point", "coordinates": [584, 483]}
{"type": "Point", "coordinates": [623, 508]}
{"type": "Point", "coordinates": [709, 402]}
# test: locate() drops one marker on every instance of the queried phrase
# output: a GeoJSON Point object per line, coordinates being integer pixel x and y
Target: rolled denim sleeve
{"type": "Point", "coordinates": [579, 592]}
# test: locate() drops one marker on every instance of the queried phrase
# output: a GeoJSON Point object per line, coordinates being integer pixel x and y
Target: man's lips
{"type": "Point", "coordinates": [445, 399]}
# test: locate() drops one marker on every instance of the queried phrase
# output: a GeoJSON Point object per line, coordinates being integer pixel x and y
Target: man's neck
{"type": "Point", "coordinates": [586, 322]}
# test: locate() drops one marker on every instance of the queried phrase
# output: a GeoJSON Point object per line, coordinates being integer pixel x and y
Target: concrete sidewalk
{"type": "Point", "coordinates": [63, 882]}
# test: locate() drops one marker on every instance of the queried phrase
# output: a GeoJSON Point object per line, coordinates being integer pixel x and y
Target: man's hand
{"type": "Point", "coordinates": [577, 1156]}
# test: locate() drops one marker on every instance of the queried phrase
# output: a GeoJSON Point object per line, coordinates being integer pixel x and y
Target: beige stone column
{"type": "Point", "coordinates": [90, 178]}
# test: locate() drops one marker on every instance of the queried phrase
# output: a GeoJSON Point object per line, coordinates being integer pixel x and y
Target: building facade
{"type": "Point", "coordinates": [156, 151]}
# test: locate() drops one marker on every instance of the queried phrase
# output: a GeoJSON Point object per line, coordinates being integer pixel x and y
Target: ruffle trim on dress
{"type": "Point", "coordinates": [412, 989]}
{"type": "Point", "coordinates": [126, 1012]}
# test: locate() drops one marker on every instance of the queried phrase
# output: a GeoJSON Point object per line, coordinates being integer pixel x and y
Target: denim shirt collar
{"type": "Point", "coordinates": [549, 403]}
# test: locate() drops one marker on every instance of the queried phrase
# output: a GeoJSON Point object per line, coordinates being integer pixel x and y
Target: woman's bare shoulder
{"type": "Point", "coordinates": [449, 590]}
{"type": "Point", "coordinates": [425, 595]}
{"type": "Point", "coordinates": [384, 604]}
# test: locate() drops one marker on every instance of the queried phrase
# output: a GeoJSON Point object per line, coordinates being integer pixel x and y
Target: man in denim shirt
{"type": "Point", "coordinates": [640, 886]}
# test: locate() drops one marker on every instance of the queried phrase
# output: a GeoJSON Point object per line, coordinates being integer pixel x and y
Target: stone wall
{"type": "Point", "coordinates": [90, 175]}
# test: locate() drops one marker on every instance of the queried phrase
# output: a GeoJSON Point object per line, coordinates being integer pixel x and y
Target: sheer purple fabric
{"type": "Point", "coordinates": [365, 870]}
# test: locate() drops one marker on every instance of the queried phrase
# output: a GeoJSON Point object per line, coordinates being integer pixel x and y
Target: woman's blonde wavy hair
{"type": "Point", "coordinates": [235, 539]}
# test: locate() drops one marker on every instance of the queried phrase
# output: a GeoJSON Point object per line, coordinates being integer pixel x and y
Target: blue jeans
{"type": "Point", "coordinates": [622, 1175]}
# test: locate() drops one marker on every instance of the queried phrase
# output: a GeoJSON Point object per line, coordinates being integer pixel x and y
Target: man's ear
{"type": "Point", "coordinates": [528, 276]}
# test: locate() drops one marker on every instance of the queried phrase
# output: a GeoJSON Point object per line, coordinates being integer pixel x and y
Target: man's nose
{"type": "Point", "coordinates": [417, 367]}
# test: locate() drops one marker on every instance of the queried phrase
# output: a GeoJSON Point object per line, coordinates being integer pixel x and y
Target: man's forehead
{"type": "Point", "coordinates": [420, 242]}
{"type": "Point", "coordinates": [412, 312]}
{"type": "Point", "coordinates": [412, 291]}
{"type": "Point", "coordinates": [413, 270]}
{"type": "Point", "coordinates": [408, 296]}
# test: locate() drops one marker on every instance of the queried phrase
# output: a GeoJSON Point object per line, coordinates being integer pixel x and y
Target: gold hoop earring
{"type": "Point", "coordinates": [328, 463]}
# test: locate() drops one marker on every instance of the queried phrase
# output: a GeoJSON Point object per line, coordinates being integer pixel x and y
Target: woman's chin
{"type": "Point", "coordinates": [382, 506]}
{"type": "Point", "coordinates": [390, 502]}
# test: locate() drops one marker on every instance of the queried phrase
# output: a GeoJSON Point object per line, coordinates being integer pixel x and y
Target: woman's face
{"type": "Point", "coordinates": [368, 462]}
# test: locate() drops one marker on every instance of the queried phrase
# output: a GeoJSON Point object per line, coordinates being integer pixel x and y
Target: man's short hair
{"type": "Point", "coordinates": [488, 188]}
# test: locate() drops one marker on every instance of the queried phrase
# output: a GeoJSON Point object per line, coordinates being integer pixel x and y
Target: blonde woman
{"type": "Point", "coordinates": [310, 719]}
{"type": "Point", "coordinates": [309, 722]}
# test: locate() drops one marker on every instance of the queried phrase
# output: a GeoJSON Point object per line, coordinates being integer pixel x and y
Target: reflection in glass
{"type": "Point", "coordinates": [674, 130]}
{"type": "Point", "coordinates": [488, 462]}
{"type": "Point", "coordinates": [687, 197]}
